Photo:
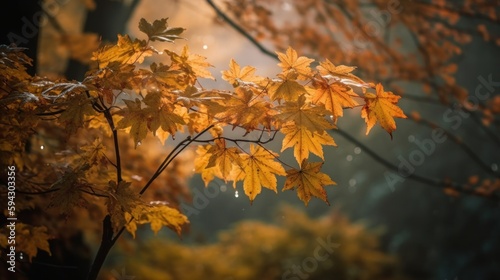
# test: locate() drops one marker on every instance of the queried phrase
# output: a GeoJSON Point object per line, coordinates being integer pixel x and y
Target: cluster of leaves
{"type": "Point", "coordinates": [255, 250]}
{"type": "Point", "coordinates": [296, 104]}
{"type": "Point", "coordinates": [415, 46]}
{"type": "Point", "coordinates": [119, 96]}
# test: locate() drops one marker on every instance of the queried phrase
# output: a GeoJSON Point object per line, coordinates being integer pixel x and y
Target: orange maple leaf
{"type": "Point", "coordinates": [290, 61]}
{"type": "Point", "coordinates": [236, 74]}
{"type": "Point", "coordinates": [382, 108]}
{"type": "Point", "coordinates": [335, 96]}
{"type": "Point", "coordinates": [341, 73]}
{"type": "Point", "coordinates": [309, 181]}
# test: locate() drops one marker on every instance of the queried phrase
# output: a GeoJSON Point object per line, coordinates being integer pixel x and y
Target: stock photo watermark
{"type": "Point", "coordinates": [321, 253]}
{"type": "Point", "coordinates": [424, 148]}
{"type": "Point", "coordinates": [201, 199]}
{"type": "Point", "coordinates": [377, 25]}
{"type": "Point", "coordinates": [30, 27]}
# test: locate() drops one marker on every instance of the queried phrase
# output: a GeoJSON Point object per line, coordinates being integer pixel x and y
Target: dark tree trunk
{"type": "Point", "coordinates": [20, 25]}
{"type": "Point", "coordinates": [108, 19]}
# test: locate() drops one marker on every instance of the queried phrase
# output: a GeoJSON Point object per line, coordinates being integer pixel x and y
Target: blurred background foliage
{"type": "Point", "coordinates": [324, 248]}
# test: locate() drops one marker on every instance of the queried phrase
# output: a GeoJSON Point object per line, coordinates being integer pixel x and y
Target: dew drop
{"type": "Point", "coordinates": [42, 147]}
{"type": "Point", "coordinates": [236, 194]}
{"type": "Point", "coordinates": [349, 158]}
{"type": "Point", "coordinates": [494, 167]}
{"type": "Point", "coordinates": [357, 150]}
{"type": "Point", "coordinates": [352, 182]}
{"type": "Point", "coordinates": [205, 47]}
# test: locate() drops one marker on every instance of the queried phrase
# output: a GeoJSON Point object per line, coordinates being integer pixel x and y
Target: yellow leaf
{"type": "Point", "coordinates": [245, 109]}
{"type": "Point", "coordinates": [223, 158]}
{"type": "Point", "coordinates": [382, 108]}
{"type": "Point", "coordinates": [304, 114]}
{"type": "Point", "coordinates": [259, 170]}
{"type": "Point", "coordinates": [121, 200]}
{"type": "Point", "coordinates": [201, 162]}
{"type": "Point", "coordinates": [309, 181]}
{"type": "Point", "coordinates": [290, 61]}
{"type": "Point", "coordinates": [125, 51]}
{"type": "Point", "coordinates": [236, 74]}
{"type": "Point", "coordinates": [79, 108]}
{"type": "Point", "coordinates": [304, 141]}
{"type": "Point", "coordinates": [335, 96]}
{"type": "Point", "coordinates": [340, 73]}
{"type": "Point", "coordinates": [159, 216]}
{"type": "Point", "coordinates": [287, 89]}
{"type": "Point", "coordinates": [191, 62]}
{"type": "Point", "coordinates": [136, 118]}
{"type": "Point", "coordinates": [30, 239]}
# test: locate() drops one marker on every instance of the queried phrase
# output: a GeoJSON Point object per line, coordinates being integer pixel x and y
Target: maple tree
{"type": "Point", "coordinates": [122, 100]}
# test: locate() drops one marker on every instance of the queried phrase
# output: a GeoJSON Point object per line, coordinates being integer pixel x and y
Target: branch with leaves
{"type": "Point", "coordinates": [122, 96]}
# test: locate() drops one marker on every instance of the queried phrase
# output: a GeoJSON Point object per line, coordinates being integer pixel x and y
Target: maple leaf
{"type": "Point", "coordinates": [290, 61]}
{"type": "Point", "coordinates": [340, 73]}
{"type": "Point", "coordinates": [304, 141]}
{"type": "Point", "coordinates": [162, 114]}
{"type": "Point", "coordinates": [136, 118]}
{"type": "Point", "coordinates": [287, 88]}
{"type": "Point", "coordinates": [191, 62]}
{"type": "Point", "coordinates": [159, 216]}
{"type": "Point", "coordinates": [245, 109]}
{"type": "Point", "coordinates": [382, 108]}
{"type": "Point", "coordinates": [223, 158]}
{"type": "Point", "coordinates": [125, 51]}
{"type": "Point", "coordinates": [309, 181]}
{"type": "Point", "coordinates": [259, 169]}
{"type": "Point", "coordinates": [79, 107]}
{"type": "Point", "coordinates": [94, 153]}
{"type": "Point", "coordinates": [159, 30]}
{"type": "Point", "coordinates": [335, 96]}
{"type": "Point", "coordinates": [69, 186]}
{"type": "Point", "coordinates": [201, 162]}
{"type": "Point", "coordinates": [121, 200]}
{"type": "Point", "coordinates": [304, 114]}
{"type": "Point", "coordinates": [30, 239]}
{"type": "Point", "coordinates": [236, 74]}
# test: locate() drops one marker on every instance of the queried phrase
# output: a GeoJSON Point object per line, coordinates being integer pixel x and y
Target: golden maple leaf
{"type": "Point", "coordinates": [259, 169]}
{"type": "Point", "coordinates": [304, 114]}
{"type": "Point", "coordinates": [341, 73]}
{"type": "Point", "coordinates": [223, 158]}
{"type": "Point", "coordinates": [245, 109]}
{"type": "Point", "coordinates": [125, 51]}
{"type": "Point", "coordinates": [134, 117]}
{"type": "Point", "coordinates": [309, 181]}
{"type": "Point", "coordinates": [157, 216]}
{"type": "Point", "coordinates": [286, 88]}
{"type": "Point", "coordinates": [194, 63]}
{"type": "Point", "coordinates": [290, 61]}
{"type": "Point", "coordinates": [236, 74]}
{"type": "Point", "coordinates": [335, 96]}
{"type": "Point", "coordinates": [304, 141]}
{"type": "Point", "coordinates": [382, 108]}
